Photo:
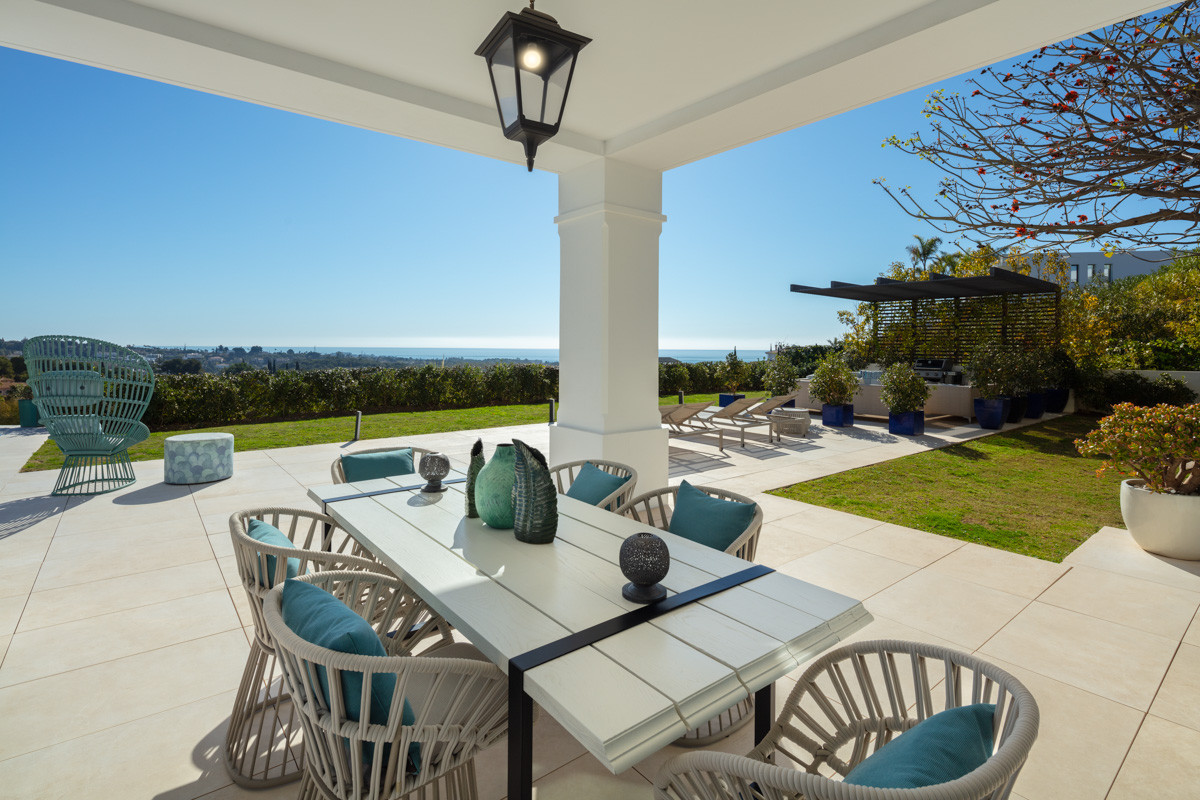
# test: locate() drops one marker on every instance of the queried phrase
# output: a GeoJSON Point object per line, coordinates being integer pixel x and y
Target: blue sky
{"type": "Point", "coordinates": [145, 213]}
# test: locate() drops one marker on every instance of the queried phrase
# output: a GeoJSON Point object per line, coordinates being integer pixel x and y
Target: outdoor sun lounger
{"type": "Point", "coordinates": [769, 404]}
{"type": "Point", "coordinates": [684, 420]}
{"type": "Point", "coordinates": [734, 409]}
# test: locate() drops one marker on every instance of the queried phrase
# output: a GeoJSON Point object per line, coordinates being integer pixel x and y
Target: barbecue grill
{"type": "Point", "coordinates": [933, 370]}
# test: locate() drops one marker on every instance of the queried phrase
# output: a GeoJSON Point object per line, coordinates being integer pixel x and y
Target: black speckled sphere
{"type": "Point", "coordinates": [434, 467]}
{"type": "Point", "coordinates": [644, 561]}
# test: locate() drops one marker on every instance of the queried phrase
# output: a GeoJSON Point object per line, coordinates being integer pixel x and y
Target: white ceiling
{"type": "Point", "coordinates": [661, 84]}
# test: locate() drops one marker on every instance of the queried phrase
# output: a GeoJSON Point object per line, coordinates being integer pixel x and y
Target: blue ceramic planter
{"type": "Point", "coordinates": [837, 416]}
{"type": "Point", "coordinates": [1035, 407]}
{"type": "Point", "coordinates": [725, 398]}
{"type": "Point", "coordinates": [991, 412]}
{"type": "Point", "coordinates": [1016, 408]}
{"type": "Point", "coordinates": [1056, 400]}
{"type": "Point", "coordinates": [907, 423]}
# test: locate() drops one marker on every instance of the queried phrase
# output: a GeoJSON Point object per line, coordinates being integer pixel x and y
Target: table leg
{"type": "Point", "coordinates": [327, 531]}
{"type": "Point", "coordinates": [764, 712]}
{"type": "Point", "coordinates": [520, 738]}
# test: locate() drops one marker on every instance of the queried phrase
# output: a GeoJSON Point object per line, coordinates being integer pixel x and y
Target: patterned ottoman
{"type": "Point", "coordinates": [198, 457]}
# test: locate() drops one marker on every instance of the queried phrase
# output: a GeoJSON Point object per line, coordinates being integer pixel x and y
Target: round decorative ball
{"type": "Point", "coordinates": [434, 467]}
{"type": "Point", "coordinates": [644, 560]}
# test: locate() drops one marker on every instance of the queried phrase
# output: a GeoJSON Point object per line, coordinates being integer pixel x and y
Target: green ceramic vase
{"type": "Point", "coordinates": [494, 488]}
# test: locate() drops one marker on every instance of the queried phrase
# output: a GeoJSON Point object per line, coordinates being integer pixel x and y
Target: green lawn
{"type": "Point", "coordinates": [341, 429]}
{"type": "Point", "coordinates": [1026, 491]}
{"type": "Point", "coordinates": [328, 430]}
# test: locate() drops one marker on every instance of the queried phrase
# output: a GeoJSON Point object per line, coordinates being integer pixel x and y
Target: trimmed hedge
{"type": "Point", "coordinates": [260, 396]}
{"type": "Point", "coordinates": [205, 400]}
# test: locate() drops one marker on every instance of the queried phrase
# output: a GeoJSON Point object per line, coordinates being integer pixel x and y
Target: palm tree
{"type": "Point", "coordinates": [923, 250]}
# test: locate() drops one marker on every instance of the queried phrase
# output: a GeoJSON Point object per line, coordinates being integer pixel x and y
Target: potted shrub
{"type": "Point", "coordinates": [835, 386]}
{"type": "Point", "coordinates": [1015, 382]}
{"type": "Point", "coordinates": [1060, 371]}
{"type": "Point", "coordinates": [732, 374]}
{"type": "Point", "coordinates": [905, 393]}
{"type": "Point", "coordinates": [780, 378]}
{"type": "Point", "coordinates": [1039, 365]}
{"type": "Point", "coordinates": [987, 369]}
{"type": "Point", "coordinates": [1161, 446]}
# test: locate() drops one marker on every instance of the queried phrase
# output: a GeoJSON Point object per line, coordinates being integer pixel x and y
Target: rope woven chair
{"type": "Point", "coordinates": [263, 745]}
{"type": "Point", "coordinates": [459, 704]}
{"type": "Point", "coordinates": [339, 475]}
{"type": "Point", "coordinates": [655, 508]}
{"type": "Point", "coordinates": [564, 475]}
{"type": "Point", "coordinates": [847, 705]}
{"type": "Point", "coordinates": [91, 396]}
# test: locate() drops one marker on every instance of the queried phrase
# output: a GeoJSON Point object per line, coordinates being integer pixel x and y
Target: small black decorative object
{"type": "Point", "coordinates": [476, 464]}
{"type": "Point", "coordinates": [644, 560]}
{"type": "Point", "coordinates": [434, 467]}
{"type": "Point", "coordinates": [535, 500]}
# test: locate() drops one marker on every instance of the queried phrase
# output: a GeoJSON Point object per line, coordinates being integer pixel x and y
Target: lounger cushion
{"type": "Point", "coordinates": [268, 534]}
{"type": "Point", "coordinates": [593, 484]}
{"type": "Point", "coordinates": [709, 520]}
{"type": "Point", "coordinates": [318, 617]}
{"type": "Point", "coordinates": [369, 466]}
{"type": "Point", "coordinates": [944, 747]}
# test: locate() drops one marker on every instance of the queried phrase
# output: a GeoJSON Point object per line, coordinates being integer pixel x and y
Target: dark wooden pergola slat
{"type": "Point", "coordinates": [944, 315]}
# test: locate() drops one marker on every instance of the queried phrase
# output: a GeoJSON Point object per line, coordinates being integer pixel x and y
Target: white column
{"type": "Point", "coordinates": [610, 218]}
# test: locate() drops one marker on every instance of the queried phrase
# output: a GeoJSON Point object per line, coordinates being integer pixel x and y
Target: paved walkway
{"type": "Point", "coordinates": [122, 624]}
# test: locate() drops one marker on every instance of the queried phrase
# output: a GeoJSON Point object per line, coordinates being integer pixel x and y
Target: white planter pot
{"type": "Point", "coordinates": [1166, 524]}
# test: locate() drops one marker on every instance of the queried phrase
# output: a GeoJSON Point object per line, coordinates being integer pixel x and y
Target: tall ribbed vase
{"type": "Point", "coordinates": [494, 488]}
{"type": "Point", "coordinates": [535, 500]}
{"type": "Point", "coordinates": [473, 475]}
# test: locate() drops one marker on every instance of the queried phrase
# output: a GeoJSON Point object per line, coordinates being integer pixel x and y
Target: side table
{"type": "Point", "coordinates": [198, 457]}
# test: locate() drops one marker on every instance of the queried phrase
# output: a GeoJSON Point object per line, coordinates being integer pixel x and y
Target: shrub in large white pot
{"type": "Point", "coordinates": [1161, 446]}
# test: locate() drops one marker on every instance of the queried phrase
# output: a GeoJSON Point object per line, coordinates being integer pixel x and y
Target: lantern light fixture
{"type": "Point", "coordinates": [531, 61]}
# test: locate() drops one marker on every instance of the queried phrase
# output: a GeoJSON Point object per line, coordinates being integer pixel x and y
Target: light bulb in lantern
{"type": "Point", "coordinates": [531, 58]}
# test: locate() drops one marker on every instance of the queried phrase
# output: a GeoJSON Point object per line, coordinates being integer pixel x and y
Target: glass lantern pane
{"type": "Point", "coordinates": [544, 68]}
{"type": "Point", "coordinates": [504, 78]}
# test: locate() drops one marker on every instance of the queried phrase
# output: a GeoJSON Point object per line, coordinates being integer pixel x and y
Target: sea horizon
{"type": "Point", "coordinates": [547, 355]}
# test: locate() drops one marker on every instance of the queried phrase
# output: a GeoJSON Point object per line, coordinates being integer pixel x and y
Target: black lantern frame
{"type": "Point", "coordinates": [531, 61]}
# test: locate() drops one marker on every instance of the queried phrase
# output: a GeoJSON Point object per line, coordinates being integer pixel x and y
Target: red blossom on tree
{"type": "Point", "coordinates": [1114, 132]}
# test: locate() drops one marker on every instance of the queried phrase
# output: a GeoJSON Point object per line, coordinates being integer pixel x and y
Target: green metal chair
{"type": "Point", "coordinates": [91, 396]}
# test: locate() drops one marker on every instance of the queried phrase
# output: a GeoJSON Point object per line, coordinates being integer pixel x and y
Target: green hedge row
{"type": "Point", "coordinates": [259, 396]}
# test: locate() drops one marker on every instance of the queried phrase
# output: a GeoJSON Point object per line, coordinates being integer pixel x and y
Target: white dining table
{"type": "Point", "coordinates": [647, 679]}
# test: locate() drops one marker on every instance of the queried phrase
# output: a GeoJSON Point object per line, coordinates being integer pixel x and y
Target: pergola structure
{"type": "Point", "coordinates": [943, 316]}
{"type": "Point", "coordinates": [661, 85]}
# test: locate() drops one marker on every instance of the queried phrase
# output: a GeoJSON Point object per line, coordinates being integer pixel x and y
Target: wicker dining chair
{"type": "Point", "coordinates": [847, 705]}
{"type": "Point", "coordinates": [565, 474]}
{"type": "Point", "coordinates": [655, 508]}
{"type": "Point", "coordinates": [91, 395]}
{"type": "Point", "coordinates": [339, 475]}
{"type": "Point", "coordinates": [458, 700]}
{"type": "Point", "coordinates": [263, 745]}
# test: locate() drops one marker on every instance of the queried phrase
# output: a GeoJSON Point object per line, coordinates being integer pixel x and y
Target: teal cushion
{"type": "Point", "coordinates": [944, 747]}
{"type": "Point", "coordinates": [268, 534]}
{"type": "Point", "coordinates": [369, 466]}
{"type": "Point", "coordinates": [709, 520]}
{"type": "Point", "coordinates": [318, 617]}
{"type": "Point", "coordinates": [593, 484]}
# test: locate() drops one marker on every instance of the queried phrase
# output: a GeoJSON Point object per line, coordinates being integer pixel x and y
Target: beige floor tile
{"type": "Point", "coordinates": [999, 569]}
{"type": "Point", "coordinates": [777, 546]}
{"type": "Point", "coordinates": [778, 507]}
{"type": "Point", "coordinates": [585, 778]}
{"type": "Point", "coordinates": [848, 571]}
{"type": "Point", "coordinates": [1113, 549]}
{"type": "Point", "coordinates": [881, 627]}
{"type": "Point", "coordinates": [1163, 764]}
{"type": "Point", "coordinates": [256, 479]}
{"type": "Point", "coordinates": [235, 792]}
{"type": "Point", "coordinates": [553, 748]}
{"type": "Point", "coordinates": [826, 523]}
{"type": "Point", "coordinates": [1193, 633]}
{"type": "Point", "coordinates": [1101, 657]}
{"type": "Point", "coordinates": [227, 505]}
{"type": "Point", "coordinates": [958, 611]}
{"type": "Point", "coordinates": [241, 604]}
{"type": "Point", "coordinates": [229, 570]}
{"type": "Point", "coordinates": [220, 543]}
{"type": "Point", "coordinates": [1069, 761]}
{"type": "Point", "coordinates": [903, 544]}
{"type": "Point", "coordinates": [114, 553]}
{"type": "Point", "coordinates": [176, 755]}
{"type": "Point", "coordinates": [44, 712]}
{"type": "Point", "coordinates": [85, 521]}
{"type": "Point", "coordinates": [81, 601]}
{"type": "Point", "coordinates": [11, 609]}
{"type": "Point", "coordinates": [1179, 696]}
{"type": "Point", "coordinates": [4, 642]}
{"type": "Point", "coordinates": [1140, 604]}
{"type": "Point", "coordinates": [74, 645]}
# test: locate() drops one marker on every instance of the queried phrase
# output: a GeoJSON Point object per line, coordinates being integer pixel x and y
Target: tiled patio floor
{"type": "Point", "coordinates": [121, 624]}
